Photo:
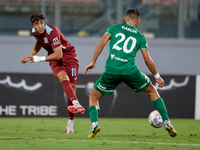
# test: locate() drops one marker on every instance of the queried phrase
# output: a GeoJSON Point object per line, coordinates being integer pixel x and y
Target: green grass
{"type": "Point", "coordinates": [137, 134]}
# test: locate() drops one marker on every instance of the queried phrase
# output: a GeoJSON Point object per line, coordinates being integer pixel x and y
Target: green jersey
{"type": "Point", "coordinates": [125, 41]}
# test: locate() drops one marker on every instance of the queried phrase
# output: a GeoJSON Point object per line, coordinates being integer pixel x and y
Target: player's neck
{"type": "Point", "coordinates": [132, 24]}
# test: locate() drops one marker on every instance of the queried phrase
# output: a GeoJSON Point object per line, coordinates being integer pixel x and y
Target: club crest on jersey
{"type": "Point", "coordinates": [46, 40]}
{"type": "Point", "coordinates": [147, 45]}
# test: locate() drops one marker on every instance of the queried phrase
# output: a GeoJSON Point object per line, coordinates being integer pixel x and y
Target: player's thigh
{"type": "Point", "coordinates": [61, 71]}
{"type": "Point", "coordinates": [62, 75]}
{"type": "Point", "coordinates": [138, 82]}
{"type": "Point", "coordinates": [72, 72]}
{"type": "Point", "coordinates": [107, 83]}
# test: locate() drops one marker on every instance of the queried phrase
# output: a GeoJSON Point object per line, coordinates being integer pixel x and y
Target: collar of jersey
{"type": "Point", "coordinates": [48, 29]}
{"type": "Point", "coordinates": [130, 25]}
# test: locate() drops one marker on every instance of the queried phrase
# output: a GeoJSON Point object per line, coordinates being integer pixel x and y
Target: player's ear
{"type": "Point", "coordinates": [139, 21]}
{"type": "Point", "coordinates": [125, 19]}
{"type": "Point", "coordinates": [32, 24]}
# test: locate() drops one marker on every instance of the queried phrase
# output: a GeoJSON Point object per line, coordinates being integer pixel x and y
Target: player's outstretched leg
{"type": "Point", "coordinates": [76, 108]}
{"type": "Point", "coordinates": [168, 127]}
{"type": "Point", "coordinates": [94, 130]}
{"type": "Point", "coordinates": [160, 106]}
{"type": "Point", "coordinates": [71, 94]}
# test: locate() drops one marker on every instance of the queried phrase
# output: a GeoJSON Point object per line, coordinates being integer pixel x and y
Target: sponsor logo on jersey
{"type": "Point", "coordinates": [120, 59]}
{"type": "Point", "coordinates": [46, 40]}
{"type": "Point", "coordinates": [112, 56]}
{"type": "Point", "coordinates": [56, 41]}
{"type": "Point", "coordinates": [129, 29]}
{"type": "Point", "coordinates": [117, 58]}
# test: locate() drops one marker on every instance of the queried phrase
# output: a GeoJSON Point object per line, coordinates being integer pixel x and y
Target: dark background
{"type": "Point", "coordinates": [180, 101]}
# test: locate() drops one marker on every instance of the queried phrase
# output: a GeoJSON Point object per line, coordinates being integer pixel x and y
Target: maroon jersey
{"type": "Point", "coordinates": [53, 38]}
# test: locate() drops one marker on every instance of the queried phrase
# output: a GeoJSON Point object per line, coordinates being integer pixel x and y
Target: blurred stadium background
{"type": "Point", "coordinates": [160, 18]}
{"type": "Point", "coordinates": [172, 30]}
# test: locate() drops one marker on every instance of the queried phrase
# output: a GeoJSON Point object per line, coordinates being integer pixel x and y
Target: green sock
{"type": "Point", "coordinates": [159, 105]}
{"type": "Point", "coordinates": [93, 113]}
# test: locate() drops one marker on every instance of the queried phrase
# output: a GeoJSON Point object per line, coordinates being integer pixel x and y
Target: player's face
{"type": "Point", "coordinates": [39, 26]}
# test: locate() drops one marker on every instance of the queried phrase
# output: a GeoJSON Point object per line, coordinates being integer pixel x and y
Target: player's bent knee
{"type": "Point", "coordinates": [95, 95]}
{"type": "Point", "coordinates": [150, 89]}
{"type": "Point", "coordinates": [62, 76]}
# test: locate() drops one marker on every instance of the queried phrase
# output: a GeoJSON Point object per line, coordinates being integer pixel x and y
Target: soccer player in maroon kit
{"type": "Point", "coordinates": [62, 59]}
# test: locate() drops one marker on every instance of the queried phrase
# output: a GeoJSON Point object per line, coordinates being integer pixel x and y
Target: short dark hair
{"type": "Point", "coordinates": [36, 16]}
{"type": "Point", "coordinates": [133, 14]}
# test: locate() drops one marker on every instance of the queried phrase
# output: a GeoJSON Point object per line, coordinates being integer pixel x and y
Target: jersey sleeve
{"type": "Point", "coordinates": [109, 30]}
{"type": "Point", "coordinates": [54, 39]}
{"type": "Point", "coordinates": [144, 43]}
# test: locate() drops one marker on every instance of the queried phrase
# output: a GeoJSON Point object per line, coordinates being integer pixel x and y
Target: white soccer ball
{"type": "Point", "coordinates": [155, 119]}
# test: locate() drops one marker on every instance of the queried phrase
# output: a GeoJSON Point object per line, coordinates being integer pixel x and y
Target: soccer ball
{"type": "Point", "coordinates": [155, 119]}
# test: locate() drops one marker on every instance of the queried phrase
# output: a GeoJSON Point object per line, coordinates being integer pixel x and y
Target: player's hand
{"type": "Point", "coordinates": [25, 59]}
{"type": "Point", "coordinates": [89, 67]}
{"type": "Point", "coordinates": [160, 82]}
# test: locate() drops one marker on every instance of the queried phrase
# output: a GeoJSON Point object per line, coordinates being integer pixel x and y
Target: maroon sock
{"type": "Point", "coordinates": [70, 115]}
{"type": "Point", "coordinates": [69, 91]}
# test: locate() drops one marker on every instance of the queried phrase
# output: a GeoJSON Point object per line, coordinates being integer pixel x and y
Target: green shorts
{"type": "Point", "coordinates": [107, 83]}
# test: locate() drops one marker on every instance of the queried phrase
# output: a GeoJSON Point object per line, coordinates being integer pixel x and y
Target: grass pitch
{"type": "Point", "coordinates": [137, 134]}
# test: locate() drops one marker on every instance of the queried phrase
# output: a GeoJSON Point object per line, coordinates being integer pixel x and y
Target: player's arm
{"type": "Point", "coordinates": [57, 54]}
{"type": "Point", "coordinates": [35, 50]}
{"type": "Point", "coordinates": [151, 65]}
{"type": "Point", "coordinates": [97, 52]}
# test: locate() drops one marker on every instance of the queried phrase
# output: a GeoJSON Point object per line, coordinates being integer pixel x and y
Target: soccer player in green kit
{"type": "Point", "coordinates": [125, 41]}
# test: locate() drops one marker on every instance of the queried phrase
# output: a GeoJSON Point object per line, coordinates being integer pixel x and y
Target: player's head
{"type": "Point", "coordinates": [132, 17]}
{"type": "Point", "coordinates": [37, 21]}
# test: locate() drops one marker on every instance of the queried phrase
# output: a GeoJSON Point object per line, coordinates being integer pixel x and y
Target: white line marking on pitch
{"type": "Point", "coordinates": [150, 143]}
